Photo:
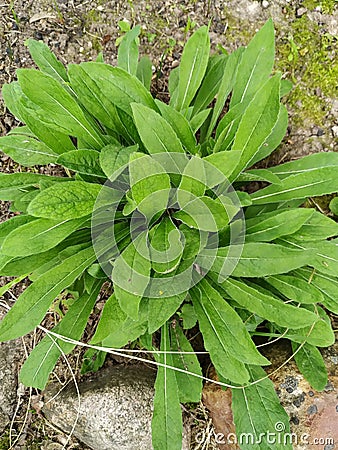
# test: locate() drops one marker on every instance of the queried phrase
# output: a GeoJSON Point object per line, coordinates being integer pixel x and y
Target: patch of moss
{"type": "Point", "coordinates": [327, 6]}
{"type": "Point", "coordinates": [4, 441]}
{"type": "Point", "coordinates": [307, 55]}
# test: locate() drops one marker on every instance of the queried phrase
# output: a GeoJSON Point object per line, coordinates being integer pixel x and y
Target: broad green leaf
{"type": "Point", "coordinates": [114, 159]}
{"type": "Point", "coordinates": [334, 206]}
{"type": "Point", "coordinates": [308, 183]}
{"type": "Point", "coordinates": [193, 181]}
{"type": "Point", "coordinates": [214, 336]}
{"type": "Point", "coordinates": [228, 325]}
{"type": "Point", "coordinates": [320, 334]}
{"type": "Point", "coordinates": [131, 274]}
{"type": "Point", "coordinates": [156, 133]}
{"type": "Point", "coordinates": [255, 66]}
{"type": "Point", "coordinates": [150, 185]}
{"type": "Point", "coordinates": [83, 161]}
{"type": "Point", "coordinates": [224, 162]}
{"type": "Point", "coordinates": [296, 289]}
{"type": "Point", "coordinates": [128, 51]}
{"type": "Point", "coordinates": [38, 236]}
{"type": "Point", "coordinates": [189, 387]}
{"type": "Point", "coordinates": [41, 361]}
{"type": "Point", "coordinates": [5, 288]}
{"type": "Point", "coordinates": [166, 424]}
{"type": "Point", "coordinates": [257, 122]}
{"type": "Point", "coordinates": [309, 162]}
{"type": "Point", "coordinates": [226, 85]}
{"type": "Point", "coordinates": [33, 303]}
{"type": "Point", "coordinates": [46, 60]}
{"type": "Point", "coordinates": [166, 247]}
{"type": "Point", "coordinates": [199, 119]}
{"type": "Point", "coordinates": [257, 259]}
{"type": "Point", "coordinates": [90, 94]}
{"type": "Point", "coordinates": [281, 224]}
{"type": "Point", "coordinates": [256, 175]}
{"type": "Point", "coordinates": [23, 130]}
{"type": "Point", "coordinates": [115, 328]}
{"type": "Point", "coordinates": [144, 72]}
{"type": "Point", "coordinates": [26, 150]}
{"type": "Point", "coordinates": [211, 82]}
{"type": "Point", "coordinates": [11, 224]}
{"type": "Point", "coordinates": [257, 412]}
{"type": "Point", "coordinates": [161, 309]}
{"type": "Point", "coordinates": [311, 364]}
{"type": "Point", "coordinates": [67, 115]}
{"type": "Point", "coordinates": [180, 125]}
{"type": "Point", "coordinates": [227, 128]}
{"type": "Point", "coordinates": [25, 265]}
{"type": "Point", "coordinates": [204, 214]}
{"type": "Point", "coordinates": [267, 306]}
{"type": "Point", "coordinates": [285, 87]}
{"type": "Point", "coordinates": [188, 316]}
{"type": "Point", "coordinates": [275, 138]}
{"type": "Point", "coordinates": [173, 84]}
{"type": "Point", "coordinates": [192, 67]}
{"type": "Point", "coordinates": [67, 200]}
{"type": "Point", "coordinates": [23, 179]}
{"type": "Point", "coordinates": [118, 85]}
{"type": "Point", "coordinates": [12, 94]}
{"type": "Point", "coordinates": [326, 284]}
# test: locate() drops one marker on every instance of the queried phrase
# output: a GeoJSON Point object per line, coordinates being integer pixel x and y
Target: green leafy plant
{"type": "Point", "coordinates": [164, 201]}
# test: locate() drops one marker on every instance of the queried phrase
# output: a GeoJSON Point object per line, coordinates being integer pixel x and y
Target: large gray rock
{"type": "Point", "coordinates": [10, 355]}
{"type": "Point", "coordinates": [115, 410]}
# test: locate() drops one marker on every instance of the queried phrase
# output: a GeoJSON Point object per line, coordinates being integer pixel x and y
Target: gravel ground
{"type": "Point", "coordinates": [78, 30]}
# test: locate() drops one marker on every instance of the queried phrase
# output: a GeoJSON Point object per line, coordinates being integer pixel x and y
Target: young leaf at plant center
{"type": "Point", "coordinates": [131, 273]}
{"type": "Point", "coordinates": [193, 181]}
{"type": "Point", "coordinates": [127, 57]}
{"type": "Point", "coordinates": [38, 236]}
{"type": "Point", "coordinates": [26, 150]}
{"type": "Point", "coordinates": [150, 184]}
{"type": "Point", "coordinates": [156, 133]}
{"type": "Point", "coordinates": [83, 161]}
{"type": "Point", "coordinates": [257, 411]}
{"type": "Point", "coordinates": [194, 62]}
{"type": "Point", "coordinates": [33, 303]}
{"type": "Point", "coordinates": [166, 425]}
{"type": "Point", "coordinates": [78, 200]}
{"type": "Point", "coordinates": [204, 214]}
{"type": "Point", "coordinates": [311, 364]}
{"type": "Point", "coordinates": [41, 361]}
{"type": "Point", "coordinates": [189, 387]}
{"type": "Point", "coordinates": [166, 247]}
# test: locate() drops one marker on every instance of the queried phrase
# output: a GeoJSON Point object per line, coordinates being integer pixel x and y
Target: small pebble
{"type": "Point", "coordinates": [300, 12]}
{"type": "Point", "coordinates": [312, 410]}
{"type": "Point", "coordinates": [265, 4]}
{"type": "Point", "coordinates": [295, 420]}
{"type": "Point", "coordinates": [329, 387]}
{"type": "Point", "coordinates": [335, 131]}
{"type": "Point", "coordinates": [337, 408]}
{"type": "Point", "coordinates": [311, 394]}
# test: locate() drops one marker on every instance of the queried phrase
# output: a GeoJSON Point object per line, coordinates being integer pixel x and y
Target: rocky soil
{"type": "Point", "coordinates": [77, 30]}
